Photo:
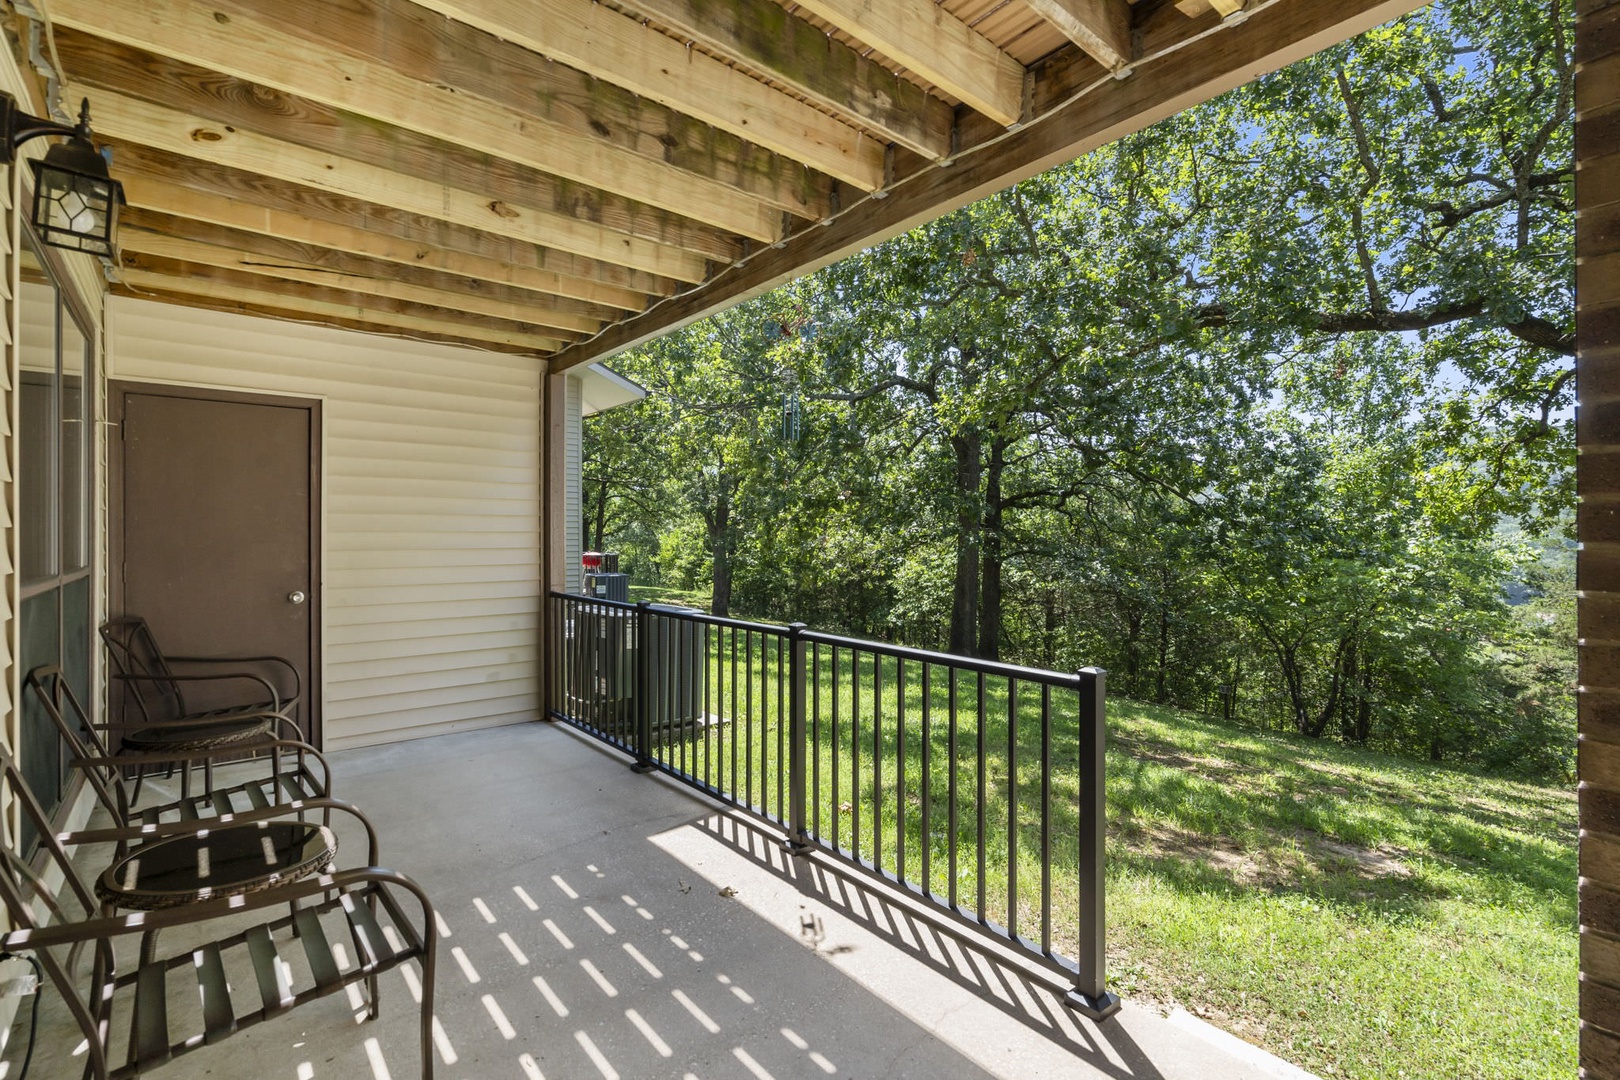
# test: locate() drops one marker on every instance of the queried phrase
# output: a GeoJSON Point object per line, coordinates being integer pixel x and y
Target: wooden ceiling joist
{"type": "Point", "coordinates": [798, 54]}
{"type": "Point", "coordinates": [125, 117]}
{"type": "Point", "coordinates": [158, 292]}
{"type": "Point", "coordinates": [219, 195]}
{"type": "Point", "coordinates": [246, 107]}
{"type": "Point", "coordinates": [197, 280]}
{"type": "Point", "coordinates": [153, 244]}
{"type": "Point", "coordinates": [310, 69]}
{"type": "Point", "coordinates": [275, 251]}
{"type": "Point", "coordinates": [938, 46]}
{"type": "Point", "coordinates": [1100, 27]}
{"type": "Point", "coordinates": [599, 41]}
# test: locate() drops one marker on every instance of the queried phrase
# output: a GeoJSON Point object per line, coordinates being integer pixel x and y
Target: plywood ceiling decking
{"type": "Point", "coordinates": [567, 178]}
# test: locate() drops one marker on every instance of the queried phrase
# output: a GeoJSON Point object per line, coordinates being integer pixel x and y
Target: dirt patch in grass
{"type": "Point", "coordinates": [1281, 862]}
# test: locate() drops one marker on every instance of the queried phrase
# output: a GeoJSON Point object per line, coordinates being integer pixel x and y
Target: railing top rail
{"type": "Point", "coordinates": [965, 663]}
{"type": "Point", "coordinates": [594, 600]}
{"type": "Point", "coordinates": [904, 652]}
{"type": "Point", "coordinates": [673, 612]}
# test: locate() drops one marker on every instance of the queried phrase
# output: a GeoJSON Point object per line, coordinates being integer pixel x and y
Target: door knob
{"type": "Point", "coordinates": [295, 597]}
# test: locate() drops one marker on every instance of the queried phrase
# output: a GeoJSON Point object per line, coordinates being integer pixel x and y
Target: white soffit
{"type": "Point", "coordinates": [602, 389]}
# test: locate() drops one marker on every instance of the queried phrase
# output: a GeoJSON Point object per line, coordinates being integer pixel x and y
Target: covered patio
{"type": "Point", "coordinates": [419, 226]}
{"type": "Point", "coordinates": [596, 923]}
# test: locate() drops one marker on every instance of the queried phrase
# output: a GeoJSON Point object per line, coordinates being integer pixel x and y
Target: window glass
{"type": "Point", "coordinates": [38, 405]}
{"type": "Point", "coordinates": [77, 414]}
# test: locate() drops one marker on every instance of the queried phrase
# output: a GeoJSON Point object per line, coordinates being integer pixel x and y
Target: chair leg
{"type": "Point", "coordinates": [148, 946]}
{"type": "Point", "coordinates": [373, 1008]}
{"type": "Point", "coordinates": [427, 1016]}
{"type": "Point", "coordinates": [140, 778]}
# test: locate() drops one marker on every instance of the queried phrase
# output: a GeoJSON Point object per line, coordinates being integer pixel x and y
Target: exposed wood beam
{"type": "Point", "coordinates": [197, 92]}
{"type": "Point", "coordinates": [615, 48]}
{"type": "Point", "coordinates": [1101, 27]}
{"type": "Point", "coordinates": [269, 310]}
{"type": "Point", "coordinates": [796, 52]}
{"type": "Point", "coordinates": [213, 193]}
{"type": "Point", "coordinates": [936, 45]}
{"type": "Point", "coordinates": [252, 51]}
{"type": "Point", "coordinates": [124, 117]}
{"type": "Point", "coordinates": [431, 48]}
{"type": "Point", "coordinates": [1272, 38]}
{"type": "Point", "coordinates": [199, 280]}
{"type": "Point", "coordinates": [274, 250]}
{"type": "Point", "coordinates": [140, 242]}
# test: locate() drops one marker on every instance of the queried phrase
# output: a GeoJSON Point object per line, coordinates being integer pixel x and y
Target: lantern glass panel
{"type": "Point", "coordinates": [75, 211]}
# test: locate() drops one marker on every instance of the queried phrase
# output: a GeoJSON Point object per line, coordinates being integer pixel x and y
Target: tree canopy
{"type": "Point", "coordinates": [1255, 408]}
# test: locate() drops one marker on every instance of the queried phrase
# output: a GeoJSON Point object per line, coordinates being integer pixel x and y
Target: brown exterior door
{"type": "Point", "coordinates": [215, 525]}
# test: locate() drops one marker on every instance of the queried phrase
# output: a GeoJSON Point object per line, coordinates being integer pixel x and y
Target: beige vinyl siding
{"type": "Point", "coordinates": [431, 481]}
{"type": "Point", "coordinates": [573, 464]}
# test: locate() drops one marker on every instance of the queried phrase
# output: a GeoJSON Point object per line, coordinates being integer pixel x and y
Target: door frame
{"type": "Point", "coordinates": [118, 391]}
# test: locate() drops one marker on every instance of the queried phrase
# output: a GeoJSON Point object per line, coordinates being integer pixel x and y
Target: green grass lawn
{"type": "Point", "coordinates": [1359, 915]}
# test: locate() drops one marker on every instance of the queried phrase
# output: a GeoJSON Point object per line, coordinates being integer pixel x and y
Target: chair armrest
{"type": "Point", "coordinates": [252, 746]}
{"type": "Point", "coordinates": [292, 669]}
{"type": "Point", "coordinates": [222, 676]}
{"type": "Point", "coordinates": [193, 827]}
{"type": "Point", "coordinates": [279, 720]}
{"type": "Point", "coordinates": [141, 922]}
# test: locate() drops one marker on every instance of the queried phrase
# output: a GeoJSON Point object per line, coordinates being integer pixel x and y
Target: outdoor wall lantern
{"type": "Point", "coordinates": [75, 200]}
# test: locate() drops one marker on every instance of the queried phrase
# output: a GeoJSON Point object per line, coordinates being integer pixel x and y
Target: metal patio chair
{"type": "Point", "coordinates": [154, 716]}
{"type": "Point", "coordinates": [124, 1010]}
{"type": "Point", "coordinates": [268, 771]}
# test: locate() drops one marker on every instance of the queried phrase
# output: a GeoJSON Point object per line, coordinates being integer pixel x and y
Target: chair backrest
{"type": "Point", "coordinates": [134, 651]}
{"type": "Point", "coordinates": [50, 688]}
{"type": "Point", "coordinates": [31, 903]}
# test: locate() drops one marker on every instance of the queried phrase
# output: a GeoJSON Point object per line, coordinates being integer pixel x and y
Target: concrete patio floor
{"type": "Point", "coordinates": [600, 924]}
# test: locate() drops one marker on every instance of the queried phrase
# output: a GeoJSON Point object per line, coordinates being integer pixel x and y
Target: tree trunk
{"type": "Point", "coordinates": [720, 542]}
{"type": "Point", "coordinates": [601, 515]}
{"type": "Point", "coordinates": [990, 543]}
{"type": "Point", "coordinates": [1164, 655]}
{"type": "Point", "coordinates": [1133, 648]}
{"type": "Point", "coordinates": [1049, 635]}
{"type": "Point", "coordinates": [965, 588]}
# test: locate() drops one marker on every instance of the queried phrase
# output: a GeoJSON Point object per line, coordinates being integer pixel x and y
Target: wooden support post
{"type": "Point", "coordinates": [553, 534]}
{"type": "Point", "coordinates": [1597, 247]}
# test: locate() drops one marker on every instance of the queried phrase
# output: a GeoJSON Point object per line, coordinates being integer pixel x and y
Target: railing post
{"type": "Point", "coordinates": [643, 706]}
{"type": "Point", "coordinates": [1090, 996]}
{"type": "Point", "coordinates": [798, 841]}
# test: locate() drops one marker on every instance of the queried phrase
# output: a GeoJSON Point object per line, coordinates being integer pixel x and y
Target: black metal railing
{"type": "Point", "coordinates": [977, 786]}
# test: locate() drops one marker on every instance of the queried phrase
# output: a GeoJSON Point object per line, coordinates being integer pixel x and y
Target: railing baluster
{"type": "Point", "coordinates": [950, 814]}
{"type": "Point", "coordinates": [838, 752]}
{"type": "Point", "coordinates": [1012, 807]}
{"type": "Point", "coordinates": [979, 908]}
{"type": "Point", "coordinates": [877, 760]}
{"type": "Point", "coordinates": [927, 785]}
{"type": "Point", "coordinates": [748, 711]}
{"type": "Point", "coordinates": [783, 720]}
{"type": "Point", "coordinates": [815, 739]}
{"type": "Point", "coordinates": [798, 840]}
{"type": "Point", "coordinates": [732, 790]}
{"type": "Point", "coordinates": [708, 709]}
{"type": "Point", "coordinates": [1046, 818]}
{"type": "Point", "coordinates": [855, 752]}
{"type": "Point", "coordinates": [900, 768]}
{"type": "Point", "coordinates": [644, 704]}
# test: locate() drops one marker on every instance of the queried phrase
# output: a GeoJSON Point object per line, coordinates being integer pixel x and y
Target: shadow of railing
{"type": "Point", "coordinates": [1029, 994]}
